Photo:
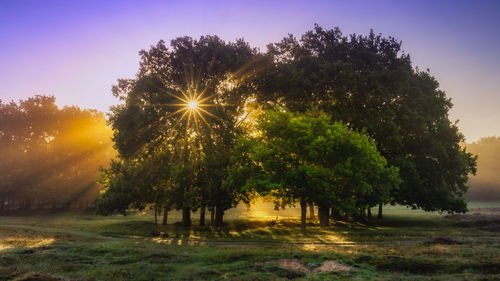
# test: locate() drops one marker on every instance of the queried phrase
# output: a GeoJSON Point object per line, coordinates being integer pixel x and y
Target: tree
{"type": "Point", "coordinates": [187, 102]}
{"type": "Point", "coordinates": [134, 184]}
{"type": "Point", "coordinates": [50, 155]}
{"type": "Point", "coordinates": [367, 83]}
{"type": "Point", "coordinates": [308, 158]}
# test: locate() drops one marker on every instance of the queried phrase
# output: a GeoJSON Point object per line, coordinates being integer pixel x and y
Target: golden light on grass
{"type": "Point", "coordinates": [5, 246]}
{"type": "Point", "coordinates": [25, 242]}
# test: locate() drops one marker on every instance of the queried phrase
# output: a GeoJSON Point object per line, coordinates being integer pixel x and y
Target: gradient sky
{"type": "Point", "coordinates": [75, 50]}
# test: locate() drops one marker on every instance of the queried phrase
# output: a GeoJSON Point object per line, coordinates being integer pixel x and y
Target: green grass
{"type": "Point", "coordinates": [81, 246]}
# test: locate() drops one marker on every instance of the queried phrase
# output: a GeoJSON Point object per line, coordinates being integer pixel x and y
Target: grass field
{"type": "Point", "coordinates": [405, 245]}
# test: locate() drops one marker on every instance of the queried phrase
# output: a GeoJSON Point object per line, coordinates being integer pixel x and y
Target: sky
{"type": "Point", "coordinates": [76, 50]}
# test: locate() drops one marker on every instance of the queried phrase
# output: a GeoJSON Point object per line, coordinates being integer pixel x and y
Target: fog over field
{"type": "Point", "coordinates": [485, 185]}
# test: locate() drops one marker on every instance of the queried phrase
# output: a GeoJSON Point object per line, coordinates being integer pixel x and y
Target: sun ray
{"type": "Point", "coordinates": [206, 98]}
{"type": "Point", "coordinates": [196, 123]}
{"type": "Point", "coordinates": [174, 113]}
{"type": "Point", "coordinates": [176, 96]}
{"type": "Point", "coordinates": [197, 82]}
{"type": "Point", "coordinates": [203, 91]}
{"type": "Point", "coordinates": [207, 105]}
{"type": "Point", "coordinates": [172, 104]}
{"type": "Point", "coordinates": [188, 84]}
{"type": "Point", "coordinates": [209, 113]}
{"type": "Point", "coordinates": [187, 125]}
{"type": "Point", "coordinates": [189, 119]}
{"type": "Point", "coordinates": [212, 104]}
{"type": "Point", "coordinates": [178, 121]}
{"type": "Point", "coordinates": [182, 92]}
{"type": "Point", "coordinates": [205, 121]}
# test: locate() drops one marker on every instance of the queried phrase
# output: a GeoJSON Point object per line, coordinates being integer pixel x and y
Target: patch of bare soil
{"type": "Point", "coordinates": [293, 265]}
{"type": "Point", "coordinates": [332, 266]}
{"type": "Point", "coordinates": [297, 266]}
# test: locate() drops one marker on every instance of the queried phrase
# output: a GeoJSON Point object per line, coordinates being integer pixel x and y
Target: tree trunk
{"type": "Point", "coordinates": [361, 213]}
{"type": "Point", "coordinates": [219, 214]}
{"type": "Point", "coordinates": [324, 216]}
{"type": "Point", "coordinates": [202, 216]}
{"type": "Point", "coordinates": [303, 214]}
{"type": "Point", "coordinates": [165, 215]}
{"type": "Point", "coordinates": [156, 214]}
{"type": "Point", "coordinates": [212, 216]}
{"type": "Point", "coordinates": [369, 213]}
{"type": "Point", "coordinates": [311, 212]}
{"type": "Point", "coordinates": [186, 216]}
{"type": "Point", "coordinates": [379, 211]}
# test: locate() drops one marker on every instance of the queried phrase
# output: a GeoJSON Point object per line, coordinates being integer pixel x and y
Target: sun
{"type": "Point", "coordinates": [193, 105]}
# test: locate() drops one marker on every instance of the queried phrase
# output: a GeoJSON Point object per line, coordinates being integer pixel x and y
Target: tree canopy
{"type": "Point", "coordinates": [349, 123]}
{"type": "Point", "coordinates": [310, 159]}
{"type": "Point", "coordinates": [185, 106]}
{"type": "Point", "coordinates": [369, 84]}
{"type": "Point", "coordinates": [50, 156]}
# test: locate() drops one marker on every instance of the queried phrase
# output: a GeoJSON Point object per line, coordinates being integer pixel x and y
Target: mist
{"type": "Point", "coordinates": [485, 185]}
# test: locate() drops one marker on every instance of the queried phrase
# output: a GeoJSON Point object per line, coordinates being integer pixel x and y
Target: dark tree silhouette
{"type": "Point", "coordinates": [185, 104]}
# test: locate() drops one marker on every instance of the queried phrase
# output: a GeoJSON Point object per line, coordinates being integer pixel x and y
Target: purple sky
{"type": "Point", "coordinates": [75, 50]}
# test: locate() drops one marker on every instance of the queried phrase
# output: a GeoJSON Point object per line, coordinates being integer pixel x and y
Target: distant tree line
{"type": "Point", "coordinates": [342, 122]}
{"type": "Point", "coordinates": [50, 156]}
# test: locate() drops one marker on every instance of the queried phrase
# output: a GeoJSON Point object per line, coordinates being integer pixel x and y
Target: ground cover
{"type": "Point", "coordinates": [253, 245]}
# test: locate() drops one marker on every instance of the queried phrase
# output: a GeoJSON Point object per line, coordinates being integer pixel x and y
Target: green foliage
{"type": "Point", "coordinates": [155, 119]}
{"type": "Point", "coordinates": [364, 82]}
{"type": "Point", "coordinates": [307, 156]}
{"type": "Point", "coordinates": [369, 84]}
{"type": "Point", "coordinates": [83, 246]}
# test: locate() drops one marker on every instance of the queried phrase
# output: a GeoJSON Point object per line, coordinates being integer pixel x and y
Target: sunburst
{"type": "Point", "coordinates": [193, 104]}
{"type": "Point", "coordinates": [192, 107]}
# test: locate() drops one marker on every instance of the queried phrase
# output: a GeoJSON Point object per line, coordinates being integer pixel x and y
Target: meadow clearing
{"type": "Point", "coordinates": [253, 245]}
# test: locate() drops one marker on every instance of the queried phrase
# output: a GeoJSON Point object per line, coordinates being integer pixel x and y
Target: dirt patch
{"type": "Point", "coordinates": [332, 266]}
{"type": "Point", "coordinates": [293, 265]}
{"type": "Point", "coordinates": [298, 267]}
